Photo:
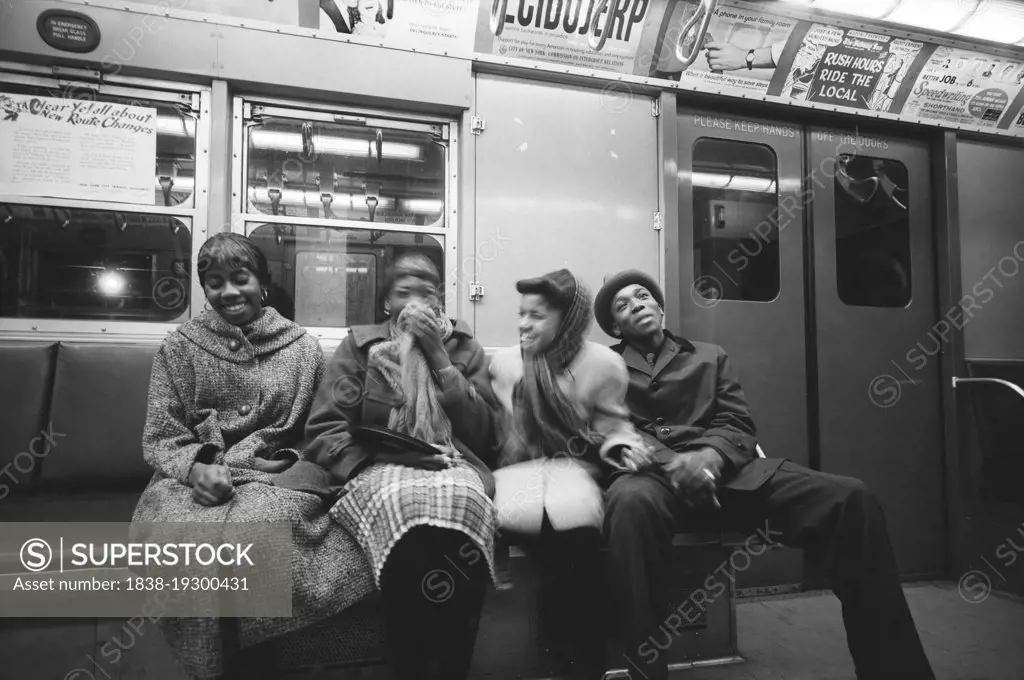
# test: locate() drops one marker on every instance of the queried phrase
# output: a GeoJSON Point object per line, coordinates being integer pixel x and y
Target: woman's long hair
{"type": "Point", "coordinates": [545, 420]}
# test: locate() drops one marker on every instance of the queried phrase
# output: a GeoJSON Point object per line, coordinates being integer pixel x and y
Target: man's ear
{"type": "Point", "coordinates": [615, 330]}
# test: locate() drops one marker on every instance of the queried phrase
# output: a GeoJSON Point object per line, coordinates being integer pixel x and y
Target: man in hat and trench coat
{"type": "Point", "coordinates": [685, 400]}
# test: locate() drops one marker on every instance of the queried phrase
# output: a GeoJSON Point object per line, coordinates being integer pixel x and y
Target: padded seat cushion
{"type": "Point", "coordinates": [27, 377]}
{"type": "Point", "coordinates": [99, 403]}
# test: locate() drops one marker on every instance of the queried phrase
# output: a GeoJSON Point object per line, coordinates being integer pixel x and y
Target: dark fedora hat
{"type": "Point", "coordinates": [612, 285]}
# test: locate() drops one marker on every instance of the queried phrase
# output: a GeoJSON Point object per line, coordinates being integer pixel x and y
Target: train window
{"type": "Point", "coordinates": [735, 227]}
{"type": "Point", "coordinates": [72, 263]}
{"type": "Point", "coordinates": [365, 173]}
{"type": "Point", "coordinates": [174, 162]}
{"type": "Point", "coordinates": [333, 276]}
{"type": "Point", "coordinates": [872, 231]}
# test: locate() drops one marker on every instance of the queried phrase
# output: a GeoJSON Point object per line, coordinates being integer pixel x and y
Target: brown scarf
{"type": "Point", "coordinates": [403, 365]}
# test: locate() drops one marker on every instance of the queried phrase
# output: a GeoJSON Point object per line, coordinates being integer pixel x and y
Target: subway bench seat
{"type": "Point", "coordinates": [72, 414]}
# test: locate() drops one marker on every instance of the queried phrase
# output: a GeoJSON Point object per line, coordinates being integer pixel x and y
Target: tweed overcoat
{"type": "Point", "coordinates": [225, 394]}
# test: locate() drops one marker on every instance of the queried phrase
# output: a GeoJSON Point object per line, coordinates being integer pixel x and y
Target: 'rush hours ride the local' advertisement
{"type": "Point", "coordinates": [557, 31]}
{"type": "Point", "coordinates": [722, 62]}
{"type": "Point", "coordinates": [965, 88]}
{"type": "Point", "coordinates": [850, 68]}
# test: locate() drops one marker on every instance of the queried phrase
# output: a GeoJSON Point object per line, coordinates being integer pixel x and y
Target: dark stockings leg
{"type": "Point", "coordinates": [574, 596]}
{"type": "Point", "coordinates": [433, 583]}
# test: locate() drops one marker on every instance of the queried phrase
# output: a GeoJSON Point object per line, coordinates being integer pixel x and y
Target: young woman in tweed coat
{"type": "Point", "coordinates": [228, 398]}
{"type": "Point", "coordinates": [427, 526]}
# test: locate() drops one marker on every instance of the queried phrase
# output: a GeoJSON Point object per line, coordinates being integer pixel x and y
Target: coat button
{"type": "Point", "coordinates": [233, 345]}
{"type": "Point", "coordinates": [655, 384]}
{"type": "Point", "coordinates": [244, 410]}
{"type": "Point", "coordinates": [659, 421]}
{"type": "Point", "coordinates": [666, 431]}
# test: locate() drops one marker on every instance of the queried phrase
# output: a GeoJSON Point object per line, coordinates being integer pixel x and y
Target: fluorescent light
{"type": "Point", "coordinates": [995, 20]}
{"type": "Point", "coordinates": [710, 180]}
{"type": "Point", "coordinates": [291, 142]}
{"type": "Point", "coordinates": [428, 206]}
{"type": "Point", "coordinates": [182, 184]}
{"type": "Point", "coordinates": [932, 15]}
{"type": "Point", "coordinates": [869, 9]}
{"type": "Point", "coordinates": [302, 198]}
{"type": "Point", "coordinates": [173, 126]}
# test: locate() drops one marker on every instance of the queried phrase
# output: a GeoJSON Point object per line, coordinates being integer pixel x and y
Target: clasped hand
{"type": "Point", "coordinates": [695, 475]}
{"type": "Point", "coordinates": [424, 326]}
{"type": "Point", "coordinates": [211, 484]}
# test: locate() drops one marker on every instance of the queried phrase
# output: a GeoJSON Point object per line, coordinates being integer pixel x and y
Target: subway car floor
{"type": "Point", "coordinates": [801, 637]}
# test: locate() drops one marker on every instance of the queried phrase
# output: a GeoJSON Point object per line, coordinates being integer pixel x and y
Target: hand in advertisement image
{"type": "Point", "coordinates": [728, 56]}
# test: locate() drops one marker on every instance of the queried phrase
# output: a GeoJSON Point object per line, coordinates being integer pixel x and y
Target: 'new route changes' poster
{"type": "Point", "coordinates": [846, 67]}
{"type": "Point", "coordinates": [964, 88]}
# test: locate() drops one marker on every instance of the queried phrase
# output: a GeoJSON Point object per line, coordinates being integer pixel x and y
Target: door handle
{"type": "Point", "coordinates": [703, 15]}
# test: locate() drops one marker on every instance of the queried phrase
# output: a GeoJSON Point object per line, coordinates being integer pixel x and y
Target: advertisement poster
{"type": "Point", "coordinates": [557, 32]}
{"type": "Point", "coordinates": [964, 88]}
{"type": "Point", "coordinates": [846, 67]}
{"type": "Point", "coordinates": [733, 35]}
{"type": "Point", "coordinates": [77, 149]}
{"type": "Point", "coordinates": [447, 25]}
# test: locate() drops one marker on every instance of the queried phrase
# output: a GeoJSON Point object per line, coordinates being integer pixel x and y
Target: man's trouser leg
{"type": "Point", "coordinates": [840, 520]}
{"type": "Point", "coordinates": [640, 520]}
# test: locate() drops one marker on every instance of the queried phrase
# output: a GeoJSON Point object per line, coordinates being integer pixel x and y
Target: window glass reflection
{"type": "Point", "coordinates": [735, 227]}
{"type": "Point", "coordinates": [334, 277]}
{"type": "Point", "coordinates": [872, 231]}
{"type": "Point", "coordinates": [66, 263]}
{"type": "Point", "coordinates": [345, 172]}
{"type": "Point", "coordinates": [174, 166]}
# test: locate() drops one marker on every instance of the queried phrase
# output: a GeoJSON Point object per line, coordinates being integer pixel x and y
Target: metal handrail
{"type": "Point", "coordinates": [498, 8]}
{"type": "Point", "coordinates": [703, 14]}
{"type": "Point", "coordinates": [997, 381]}
{"type": "Point", "coordinates": [595, 42]}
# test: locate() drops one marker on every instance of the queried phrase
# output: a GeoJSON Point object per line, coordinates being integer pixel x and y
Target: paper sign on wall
{"type": "Point", "coordinates": [722, 61]}
{"type": "Point", "coordinates": [965, 88]}
{"type": "Point", "coordinates": [557, 32]}
{"type": "Point", "coordinates": [845, 67]}
{"type": "Point", "coordinates": [77, 149]}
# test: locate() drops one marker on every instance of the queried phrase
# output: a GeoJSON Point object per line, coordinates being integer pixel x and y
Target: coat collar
{"type": "Point", "coordinates": [367, 335]}
{"type": "Point", "coordinates": [635, 359]}
{"type": "Point", "coordinates": [238, 344]}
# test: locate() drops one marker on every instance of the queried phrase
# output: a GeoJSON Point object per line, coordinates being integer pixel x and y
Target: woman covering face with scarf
{"type": "Point", "coordinates": [414, 513]}
{"type": "Point", "coordinates": [567, 428]}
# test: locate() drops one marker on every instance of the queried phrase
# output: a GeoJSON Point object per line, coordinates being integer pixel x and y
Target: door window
{"type": "Point", "coordinates": [872, 216]}
{"type": "Point", "coordinates": [735, 220]}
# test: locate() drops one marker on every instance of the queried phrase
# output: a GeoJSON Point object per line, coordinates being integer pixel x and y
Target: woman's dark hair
{"type": "Point", "coordinates": [233, 251]}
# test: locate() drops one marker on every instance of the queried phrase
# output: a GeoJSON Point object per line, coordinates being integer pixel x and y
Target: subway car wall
{"type": "Point", "coordinates": [851, 266]}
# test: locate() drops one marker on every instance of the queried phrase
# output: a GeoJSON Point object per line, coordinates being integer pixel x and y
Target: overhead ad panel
{"type": "Point", "coordinates": [746, 52]}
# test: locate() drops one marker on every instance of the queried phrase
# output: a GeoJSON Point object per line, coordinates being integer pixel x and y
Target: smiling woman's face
{"type": "Point", "coordinates": [538, 323]}
{"type": "Point", "coordinates": [235, 294]}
